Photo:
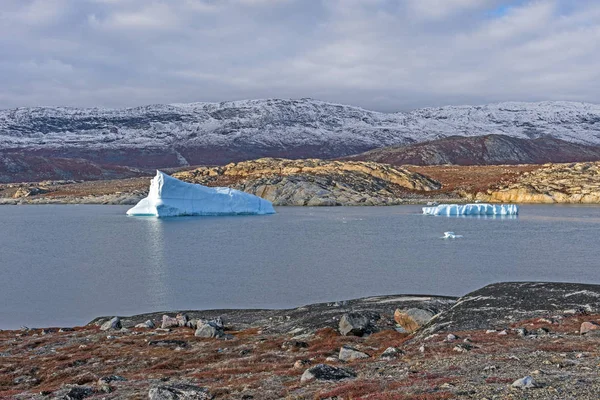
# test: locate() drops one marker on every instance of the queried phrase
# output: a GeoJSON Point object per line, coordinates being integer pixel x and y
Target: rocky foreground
{"type": "Point", "coordinates": [504, 341]}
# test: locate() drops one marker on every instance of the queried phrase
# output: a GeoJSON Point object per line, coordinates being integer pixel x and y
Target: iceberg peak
{"type": "Point", "coordinates": [169, 197]}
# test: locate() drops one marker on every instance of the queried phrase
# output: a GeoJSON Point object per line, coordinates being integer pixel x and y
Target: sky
{"type": "Point", "coordinates": [385, 55]}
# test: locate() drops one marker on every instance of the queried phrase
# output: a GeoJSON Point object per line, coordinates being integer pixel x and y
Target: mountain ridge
{"type": "Point", "coordinates": [181, 134]}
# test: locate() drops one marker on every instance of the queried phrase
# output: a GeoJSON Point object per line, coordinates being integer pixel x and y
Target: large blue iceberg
{"type": "Point", "coordinates": [170, 197]}
{"type": "Point", "coordinates": [472, 209]}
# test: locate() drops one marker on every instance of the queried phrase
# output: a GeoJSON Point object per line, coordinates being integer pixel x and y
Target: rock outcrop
{"type": "Point", "coordinates": [499, 305]}
{"type": "Point", "coordinates": [315, 182]}
{"type": "Point", "coordinates": [553, 183]}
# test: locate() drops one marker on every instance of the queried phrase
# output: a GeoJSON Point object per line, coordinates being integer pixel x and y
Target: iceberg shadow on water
{"type": "Point", "coordinates": [170, 197]}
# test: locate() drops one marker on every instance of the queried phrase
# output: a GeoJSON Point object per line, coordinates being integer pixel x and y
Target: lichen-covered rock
{"type": "Point", "coordinates": [178, 392]}
{"type": "Point", "coordinates": [324, 372]}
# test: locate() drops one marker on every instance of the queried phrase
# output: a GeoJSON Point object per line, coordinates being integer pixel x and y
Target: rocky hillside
{"type": "Point", "coordinates": [553, 183]}
{"type": "Point", "coordinates": [483, 150]}
{"type": "Point", "coordinates": [218, 133]}
{"type": "Point", "coordinates": [315, 182]}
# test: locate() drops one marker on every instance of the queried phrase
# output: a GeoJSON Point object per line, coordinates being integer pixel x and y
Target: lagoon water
{"type": "Point", "coordinates": [63, 265]}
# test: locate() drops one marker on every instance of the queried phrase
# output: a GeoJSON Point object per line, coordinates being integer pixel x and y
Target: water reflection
{"type": "Point", "coordinates": [156, 265]}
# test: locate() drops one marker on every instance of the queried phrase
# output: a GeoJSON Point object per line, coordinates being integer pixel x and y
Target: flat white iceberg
{"type": "Point", "coordinates": [170, 197]}
{"type": "Point", "coordinates": [451, 235]}
{"type": "Point", "coordinates": [472, 209]}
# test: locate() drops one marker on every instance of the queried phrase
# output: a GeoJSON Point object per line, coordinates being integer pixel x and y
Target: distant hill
{"type": "Point", "coordinates": [40, 139]}
{"type": "Point", "coordinates": [217, 133]}
{"type": "Point", "coordinates": [18, 167]}
{"type": "Point", "coordinates": [483, 150]}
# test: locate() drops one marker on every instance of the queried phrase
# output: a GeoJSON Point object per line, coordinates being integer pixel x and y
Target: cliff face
{"type": "Point", "coordinates": [483, 150]}
{"type": "Point", "coordinates": [315, 182]}
{"type": "Point", "coordinates": [553, 183]}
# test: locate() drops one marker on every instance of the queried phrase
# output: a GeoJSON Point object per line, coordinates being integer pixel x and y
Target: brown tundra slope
{"type": "Point", "coordinates": [483, 150]}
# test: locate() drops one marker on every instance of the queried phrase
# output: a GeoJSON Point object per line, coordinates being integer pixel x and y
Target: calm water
{"type": "Point", "coordinates": [64, 265]}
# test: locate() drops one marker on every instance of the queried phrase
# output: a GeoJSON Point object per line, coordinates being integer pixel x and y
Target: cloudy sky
{"type": "Point", "coordinates": [385, 55]}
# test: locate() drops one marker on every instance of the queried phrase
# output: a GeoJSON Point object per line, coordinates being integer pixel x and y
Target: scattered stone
{"type": "Point", "coordinates": [110, 337]}
{"type": "Point", "coordinates": [348, 353]}
{"type": "Point", "coordinates": [542, 332]}
{"type": "Point", "coordinates": [26, 380]}
{"type": "Point", "coordinates": [148, 324]}
{"type": "Point", "coordinates": [502, 333]}
{"type": "Point", "coordinates": [462, 348]}
{"type": "Point", "coordinates": [169, 322]}
{"type": "Point", "coordinates": [422, 348]}
{"type": "Point", "coordinates": [451, 337]}
{"type": "Point", "coordinates": [74, 392]}
{"type": "Point", "coordinates": [179, 392]}
{"type": "Point", "coordinates": [490, 331]}
{"type": "Point", "coordinates": [490, 368]}
{"type": "Point", "coordinates": [294, 344]}
{"type": "Point", "coordinates": [66, 330]}
{"type": "Point", "coordinates": [391, 352]}
{"type": "Point", "coordinates": [413, 318]}
{"type": "Point", "coordinates": [168, 343]}
{"type": "Point", "coordinates": [111, 378]}
{"type": "Point", "coordinates": [525, 383]}
{"type": "Point", "coordinates": [111, 325]}
{"type": "Point", "coordinates": [522, 332]}
{"type": "Point", "coordinates": [332, 359]}
{"type": "Point", "coordinates": [301, 364]}
{"type": "Point", "coordinates": [326, 372]}
{"type": "Point", "coordinates": [355, 324]}
{"type": "Point", "coordinates": [588, 326]}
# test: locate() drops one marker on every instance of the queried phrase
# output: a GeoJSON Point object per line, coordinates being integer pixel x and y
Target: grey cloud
{"type": "Point", "coordinates": [380, 54]}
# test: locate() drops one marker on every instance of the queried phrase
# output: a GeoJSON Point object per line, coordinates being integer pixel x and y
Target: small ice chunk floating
{"type": "Point", "coordinates": [170, 197]}
{"type": "Point", "coordinates": [451, 235]}
{"type": "Point", "coordinates": [472, 209]}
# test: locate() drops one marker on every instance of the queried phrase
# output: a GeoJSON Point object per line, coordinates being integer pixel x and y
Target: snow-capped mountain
{"type": "Point", "coordinates": [214, 133]}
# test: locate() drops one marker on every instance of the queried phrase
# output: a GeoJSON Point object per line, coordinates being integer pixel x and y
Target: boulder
{"type": "Point", "coordinates": [525, 383]}
{"type": "Point", "coordinates": [179, 392]}
{"type": "Point", "coordinates": [111, 325]}
{"type": "Point", "coordinates": [348, 353]}
{"type": "Point", "coordinates": [391, 353]}
{"type": "Point", "coordinates": [182, 319]}
{"type": "Point", "coordinates": [148, 324]}
{"type": "Point", "coordinates": [208, 330]}
{"type": "Point", "coordinates": [413, 318]}
{"type": "Point", "coordinates": [588, 326]}
{"type": "Point", "coordinates": [355, 324]}
{"type": "Point", "coordinates": [169, 322]}
{"type": "Point", "coordinates": [324, 372]}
